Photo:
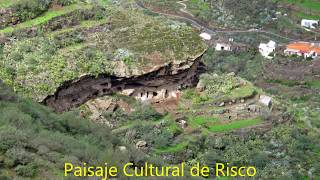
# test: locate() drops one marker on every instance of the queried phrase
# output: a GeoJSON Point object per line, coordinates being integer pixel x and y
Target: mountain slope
{"type": "Point", "coordinates": [35, 142]}
{"type": "Point", "coordinates": [92, 39]}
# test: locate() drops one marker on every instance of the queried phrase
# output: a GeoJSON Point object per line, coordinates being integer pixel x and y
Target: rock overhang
{"type": "Point", "coordinates": [125, 43]}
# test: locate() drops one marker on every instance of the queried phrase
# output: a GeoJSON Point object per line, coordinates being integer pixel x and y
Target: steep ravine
{"type": "Point", "coordinates": [75, 93]}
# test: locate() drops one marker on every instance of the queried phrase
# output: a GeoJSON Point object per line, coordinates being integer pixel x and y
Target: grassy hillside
{"type": "Point", "coordinates": [233, 14]}
{"type": "Point", "coordinates": [35, 142]}
{"type": "Point", "coordinates": [6, 3]}
{"type": "Point", "coordinates": [85, 38]}
{"type": "Point", "coordinates": [44, 43]}
{"type": "Point", "coordinates": [44, 18]}
{"type": "Point", "coordinates": [280, 17]}
{"type": "Point", "coordinates": [209, 139]}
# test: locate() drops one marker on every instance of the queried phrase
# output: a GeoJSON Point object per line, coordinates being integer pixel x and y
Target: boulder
{"type": "Point", "coordinates": [127, 92]}
{"type": "Point", "coordinates": [200, 86]}
{"type": "Point", "coordinates": [205, 36]}
{"type": "Point", "coordinates": [141, 144]}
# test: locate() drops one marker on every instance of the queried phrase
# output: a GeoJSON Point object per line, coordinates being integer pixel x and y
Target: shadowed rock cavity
{"type": "Point", "coordinates": [156, 85]}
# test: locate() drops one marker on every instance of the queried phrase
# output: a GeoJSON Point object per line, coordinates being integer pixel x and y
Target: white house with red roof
{"type": "Point", "coordinates": [304, 49]}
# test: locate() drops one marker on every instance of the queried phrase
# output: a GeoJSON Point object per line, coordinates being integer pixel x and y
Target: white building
{"type": "Point", "coordinates": [205, 36]}
{"type": "Point", "coordinates": [304, 49]}
{"type": "Point", "coordinates": [309, 23]}
{"type": "Point", "coordinates": [265, 100]}
{"type": "Point", "coordinates": [223, 47]}
{"type": "Point", "coordinates": [267, 49]}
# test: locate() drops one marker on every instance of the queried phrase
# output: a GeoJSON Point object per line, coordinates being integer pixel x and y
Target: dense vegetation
{"type": "Point", "coordinates": [286, 151]}
{"type": "Point", "coordinates": [34, 140]}
{"type": "Point", "coordinates": [300, 94]}
{"type": "Point", "coordinates": [277, 16]}
{"type": "Point", "coordinates": [304, 9]}
{"type": "Point", "coordinates": [231, 13]}
{"type": "Point", "coordinates": [62, 48]}
{"type": "Point", "coordinates": [56, 41]}
{"type": "Point", "coordinates": [20, 11]}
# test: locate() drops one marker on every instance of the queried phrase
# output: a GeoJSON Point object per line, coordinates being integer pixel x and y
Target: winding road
{"type": "Point", "coordinates": [208, 30]}
{"type": "Point", "coordinates": [185, 7]}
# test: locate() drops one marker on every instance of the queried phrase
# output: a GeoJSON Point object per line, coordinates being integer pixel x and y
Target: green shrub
{"type": "Point", "coordinates": [28, 170]}
{"type": "Point", "coordinates": [6, 94]}
{"type": "Point", "coordinates": [10, 137]}
{"type": "Point", "coordinates": [163, 139]}
{"type": "Point", "coordinates": [25, 10]}
{"type": "Point", "coordinates": [259, 160]}
{"type": "Point", "coordinates": [18, 156]}
{"type": "Point", "coordinates": [33, 138]}
{"type": "Point", "coordinates": [144, 112]}
{"type": "Point", "coordinates": [4, 177]}
{"type": "Point", "coordinates": [65, 2]}
{"type": "Point", "coordinates": [189, 94]}
{"type": "Point", "coordinates": [201, 98]}
{"type": "Point", "coordinates": [219, 84]}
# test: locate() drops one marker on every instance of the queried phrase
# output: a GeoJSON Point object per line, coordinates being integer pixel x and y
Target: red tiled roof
{"type": "Point", "coordinates": [304, 47]}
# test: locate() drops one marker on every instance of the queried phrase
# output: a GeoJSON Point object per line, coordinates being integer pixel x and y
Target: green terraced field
{"type": "Point", "coordinates": [306, 16]}
{"type": "Point", "coordinates": [314, 84]}
{"type": "Point", "coordinates": [308, 4]}
{"type": "Point", "coordinates": [45, 17]}
{"type": "Point", "coordinates": [310, 8]}
{"type": "Point", "coordinates": [235, 125]}
{"type": "Point", "coordinates": [172, 149]}
{"type": "Point", "coordinates": [202, 120]}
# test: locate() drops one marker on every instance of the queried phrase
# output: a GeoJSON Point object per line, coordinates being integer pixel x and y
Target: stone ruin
{"type": "Point", "coordinates": [153, 95]}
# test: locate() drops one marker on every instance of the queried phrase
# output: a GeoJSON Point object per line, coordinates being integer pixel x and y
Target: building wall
{"type": "Point", "coordinates": [223, 47]}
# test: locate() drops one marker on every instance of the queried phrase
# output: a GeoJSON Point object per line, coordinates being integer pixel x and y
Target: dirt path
{"type": "Point", "coordinates": [185, 7]}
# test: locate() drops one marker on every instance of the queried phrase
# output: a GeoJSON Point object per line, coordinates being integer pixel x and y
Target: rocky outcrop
{"type": "Point", "coordinates": [7, 17]}
{"type": "Point", "coordinates": [161, 83]}
{"type": "Point", "coordinates": [76, 62]}
{"type": "Point", "coordinates": [141, 144]}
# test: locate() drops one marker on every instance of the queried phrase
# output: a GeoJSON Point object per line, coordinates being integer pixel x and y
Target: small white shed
{"type": "Point", "coordinates": [223, 47]}
{"type": "Point", "coordinates": [309, 23]}
{"type": "Point", "coordinates": [266, 100]}
{"type": "Point", "coordinates": [267, 48]}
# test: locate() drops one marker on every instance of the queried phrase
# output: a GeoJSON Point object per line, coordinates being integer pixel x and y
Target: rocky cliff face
{"type": "Point", "coordinates": [158, 84]}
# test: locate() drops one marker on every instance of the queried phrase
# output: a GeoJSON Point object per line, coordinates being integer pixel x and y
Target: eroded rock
{"type": "Point", "coordinates": [141, 144]}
